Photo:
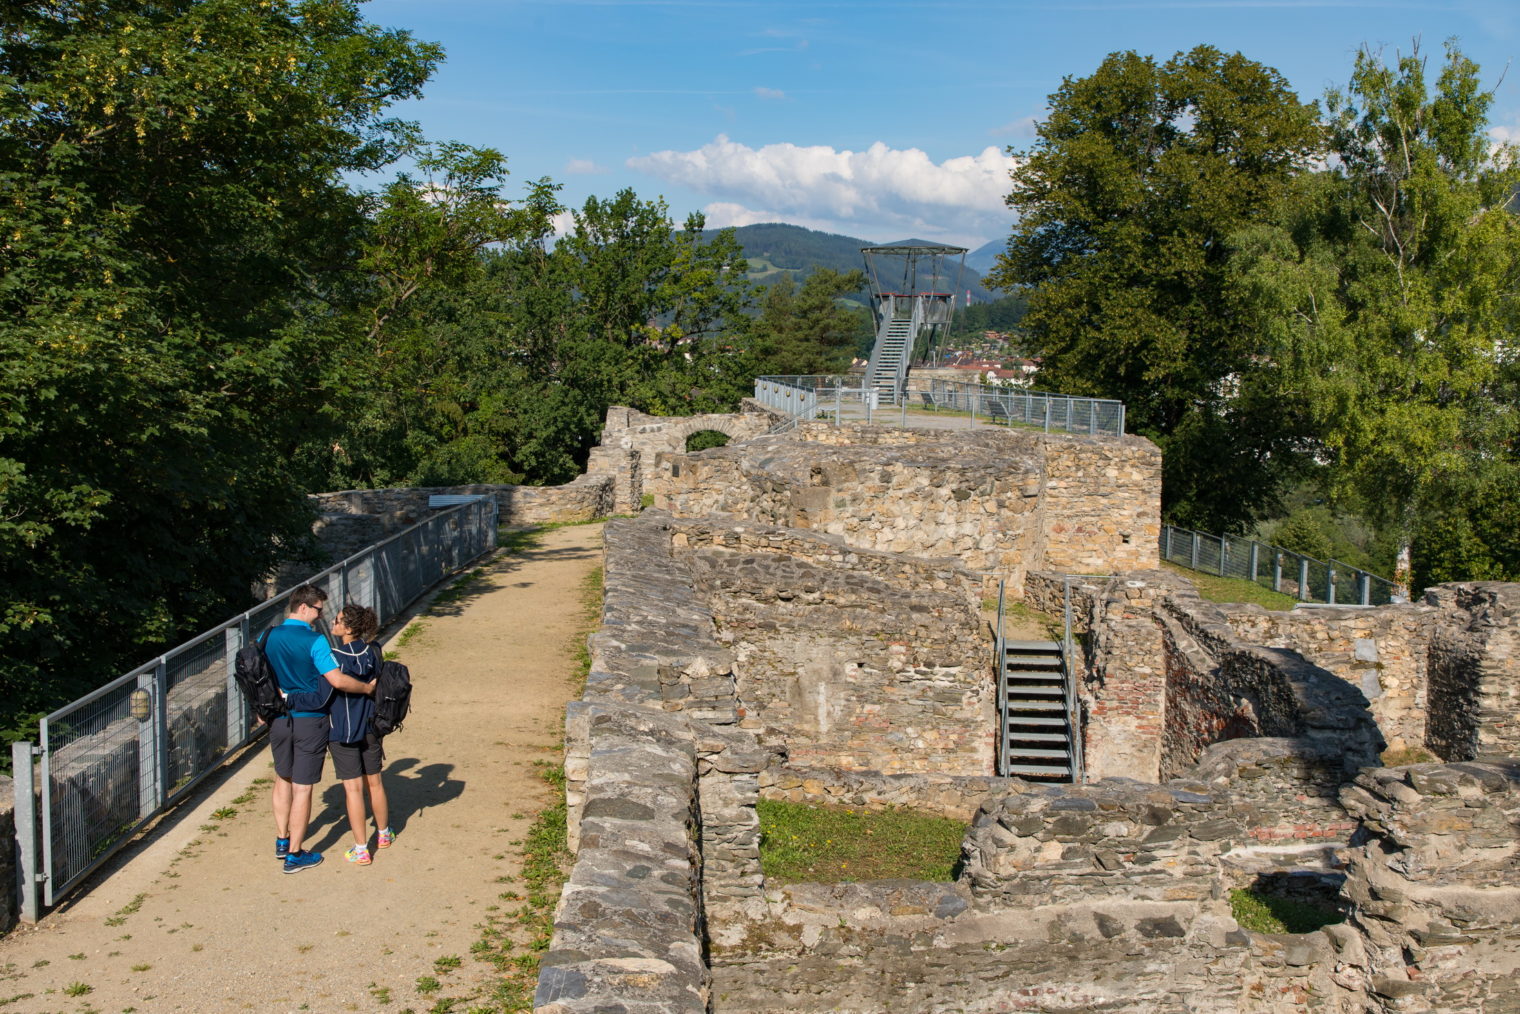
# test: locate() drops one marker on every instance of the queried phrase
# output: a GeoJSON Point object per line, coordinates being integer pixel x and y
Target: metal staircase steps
{"type": "Point", "coordinates": [1036, 739]}
{"type": "Point", "coordinates": [889, 356]}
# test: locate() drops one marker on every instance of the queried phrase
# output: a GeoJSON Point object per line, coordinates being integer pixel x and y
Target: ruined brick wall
{"type": "Point", "coordinates": [1474, 697]}
{"type": "Point", "coordinates": [839, 659]}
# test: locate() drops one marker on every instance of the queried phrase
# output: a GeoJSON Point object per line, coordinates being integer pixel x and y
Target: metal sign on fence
{"type": "Point", "coordinates": [110, 761]}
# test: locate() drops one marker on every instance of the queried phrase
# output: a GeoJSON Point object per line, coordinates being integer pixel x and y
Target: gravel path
{"type": "Point", "coordinates": [199, 916]}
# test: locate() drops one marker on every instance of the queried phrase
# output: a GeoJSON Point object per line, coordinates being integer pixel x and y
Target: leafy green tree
{"type": "Point", "coordinates": [807, 331]}
{"type": "Point", "coordinates": [1141, 175]}
{"type": "Point", "coordinates": [177, 238]}
{"type": "Point", "coordinates": [1390, 302]}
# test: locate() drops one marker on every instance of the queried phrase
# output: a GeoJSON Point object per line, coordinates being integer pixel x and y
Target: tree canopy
{"type": "Point", "coordinates": [1140, 175]}
{"type": "Point", "coordinates": [177, 234]}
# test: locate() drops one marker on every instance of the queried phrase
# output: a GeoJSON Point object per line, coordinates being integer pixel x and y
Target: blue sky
{"type": "Point", "coordinates": [880, 120]}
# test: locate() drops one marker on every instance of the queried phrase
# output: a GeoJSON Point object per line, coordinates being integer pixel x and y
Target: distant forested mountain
{"type": "Point", "coordinates": [984, 257]}
{"type": "Point", "coordinates": [774, 248]}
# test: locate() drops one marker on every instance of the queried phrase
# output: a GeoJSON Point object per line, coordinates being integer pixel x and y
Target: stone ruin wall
{"type": "Point", "coordinates": [1109, 895]}
{"type": "Point", "coordinates": [1165, 673]}
{"type": "Point", "coordinates": [848, 658]}
{"type": "Point", "coordinates": [1075, 897]}
{"type": "Point", "coordinates": [1003, 502]}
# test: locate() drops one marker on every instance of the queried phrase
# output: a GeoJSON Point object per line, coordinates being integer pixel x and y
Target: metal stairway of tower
{"type": "Point", "coordinates": [889, 357]}
{"type": "Point", "coordinates": [1036, 709]}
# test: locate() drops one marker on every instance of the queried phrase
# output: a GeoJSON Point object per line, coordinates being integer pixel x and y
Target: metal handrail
{"type": "Point", "coordinates": [128, 799]}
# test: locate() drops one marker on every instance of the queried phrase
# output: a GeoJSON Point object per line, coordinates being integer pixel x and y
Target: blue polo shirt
{"type": "Point", "coordinates": [300, 656]}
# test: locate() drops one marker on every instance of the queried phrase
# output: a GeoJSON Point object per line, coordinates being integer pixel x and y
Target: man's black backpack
{"type": "Point", "coordinates": [393, 697]}
{"type": "Point", "coordinates": [254, 674]}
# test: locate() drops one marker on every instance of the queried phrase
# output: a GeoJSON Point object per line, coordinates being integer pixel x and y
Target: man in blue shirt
{"type": "Point", "coordinates": [303, 662]}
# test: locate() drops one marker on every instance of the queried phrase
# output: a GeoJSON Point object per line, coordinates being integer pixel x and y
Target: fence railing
{"type": "Point", "coordinates": [844, 397]}
{"type": "Point", "coordinates": [109, 762]}
{"type": "Point", "coordinates": [1282, 570]}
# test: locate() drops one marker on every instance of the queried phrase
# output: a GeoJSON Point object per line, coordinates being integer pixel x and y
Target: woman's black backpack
{"type": "Point", "coordinates": [393, 697]}
{"type": "Point", "coordinates": [255, 676]}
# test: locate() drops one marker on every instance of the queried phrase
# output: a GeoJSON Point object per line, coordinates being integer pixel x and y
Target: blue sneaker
{"type": "Point", "coordinates": [303, 860]}
{"type": "Point", "coordinates": [281, 848]}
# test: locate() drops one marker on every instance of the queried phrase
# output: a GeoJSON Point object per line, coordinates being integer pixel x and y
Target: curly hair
{"type": "Point", "coordinates": [360, 621]}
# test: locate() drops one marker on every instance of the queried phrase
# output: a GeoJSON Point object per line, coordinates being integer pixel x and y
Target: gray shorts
{"type": "Point", "coordinates": [298, 746]}
{"type": "Point", "coordinates": [354, 760]}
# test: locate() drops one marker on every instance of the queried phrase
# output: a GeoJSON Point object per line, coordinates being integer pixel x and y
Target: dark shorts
{"type": "Point", "coordinates": [354, 760]}
{"type": "Point", "coordinates": [298, 746]}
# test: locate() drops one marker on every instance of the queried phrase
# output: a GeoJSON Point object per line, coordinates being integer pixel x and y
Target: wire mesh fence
{"type": "Point", "coordinates": [937, 404]}
{"type": "Point", "coordinates": [114, 758]}
{"type": "Point", "coordinates": [1282, 570]}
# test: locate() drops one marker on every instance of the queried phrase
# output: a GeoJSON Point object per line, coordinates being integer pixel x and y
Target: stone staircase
{"type": "Point", "coordinates": [1037, 740]}
{"type": "Point", "coordinates": [889, 357]}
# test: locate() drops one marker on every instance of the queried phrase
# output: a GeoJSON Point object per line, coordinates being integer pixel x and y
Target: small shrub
{"type": "Point", "coordinates": [1267, 913]}
{"type": "Point", "coordinates": [78, 989]}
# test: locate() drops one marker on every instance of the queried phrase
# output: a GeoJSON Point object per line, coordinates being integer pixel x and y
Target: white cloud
{"type": "Point", "coordinates": [880, 193]}
{"type": "Point", "coordinates": [770, 93]}
{"type": "Point", "coordinates": [584, 167]}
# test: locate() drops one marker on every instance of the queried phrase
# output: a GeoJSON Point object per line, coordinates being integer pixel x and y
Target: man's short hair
{"type": "Point", "coordinates": [305, 595]}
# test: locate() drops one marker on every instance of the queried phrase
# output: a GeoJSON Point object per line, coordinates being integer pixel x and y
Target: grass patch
{"type": "Point", "coordinates": [1266, 913]}
{"type": "Point", "coordinates": [513, 939]}
{"type": "Point", "coordinates": [590, 619]}
{"type": "Point", "coordinates": [1232, 589]}
{"type": "Point", "coordinates": [1407, 755]}
{"type": "Point", "coordinates": [827, 845]}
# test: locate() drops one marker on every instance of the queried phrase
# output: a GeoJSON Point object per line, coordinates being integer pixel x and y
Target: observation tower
{"type": "Point", "coordinates": [913, 296]}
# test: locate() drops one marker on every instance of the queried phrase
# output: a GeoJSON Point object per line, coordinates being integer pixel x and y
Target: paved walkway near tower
{"type": "Point", "coordinates": [200, 917]}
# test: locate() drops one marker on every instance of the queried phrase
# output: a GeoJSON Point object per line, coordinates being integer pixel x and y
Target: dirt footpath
{"type": "Point", "coordinates": [200, 917]}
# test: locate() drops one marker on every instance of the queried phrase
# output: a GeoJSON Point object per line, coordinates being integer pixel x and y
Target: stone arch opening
{"type": "Point", "coordinates": [701, 440]}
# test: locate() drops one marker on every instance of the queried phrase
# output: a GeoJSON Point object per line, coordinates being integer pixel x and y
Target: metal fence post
{"type": "Point", "coordinates": [1330, 584]}
{"type": "Point", "coordinates": [1255, 558]}
{"type": "Point", "coordinates": [1166, 542]}
{"type": "Point", "coordinates": [237, 720]}
{"type": "Point", "coordinates": [1303, 579]}
{"type": "Point", "coordinates": [1224, 554]}
{"type": "Point", "coordinates": [1277, 572]}
{"type": "Point", "coordinates": [1092, 417]}
{"type": "Point", "coordinates": [1194, 564]}
{"type": "Point", "coordinates": [1365, 580]}
{"type": "Point", "coordinates": [150, 793]}
{"type": "Point", "coordinates": [23, 787]}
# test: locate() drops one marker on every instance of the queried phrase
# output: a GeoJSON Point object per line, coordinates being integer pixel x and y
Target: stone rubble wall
{"type": "Point", "coordinates": [1435, 923]}
{"type": "Point", "coordinates": [994, 500]}
{"type": "Point", "coordinates": [939, 948]}
{"type": "Point", "coordinates": [841, 665]}
{"type": "Point", "coordinates": [631, 439]}
{"type": "Point", "coordinates": [661, 787]}
{"type": "Point", "coordinates": [585, 498]}
{"type": "Point", "coordinates": [1382, 651]}
{"type": "Point", "coordinates": [953, 796]}
{"type": "Point", "coordinates": [1163, 675]}
{"type": "Point", "coordinates": [1474, 696]}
